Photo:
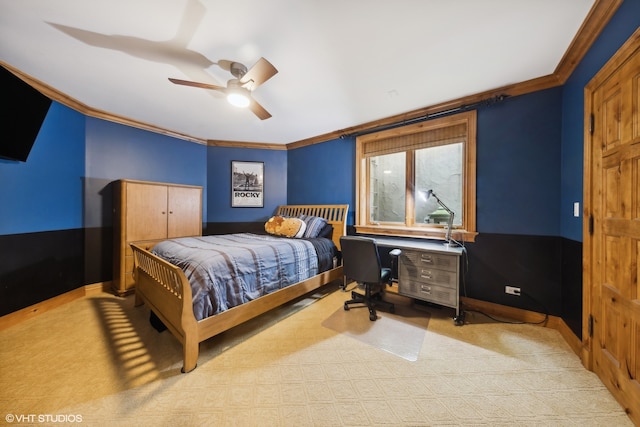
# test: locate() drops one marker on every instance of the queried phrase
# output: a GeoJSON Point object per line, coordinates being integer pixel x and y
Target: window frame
{"type": "Point", "coordinates": [464, 233]}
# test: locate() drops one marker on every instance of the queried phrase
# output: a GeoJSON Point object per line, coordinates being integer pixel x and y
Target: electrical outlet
{"type": "Point", "coordinates": [512, 290]}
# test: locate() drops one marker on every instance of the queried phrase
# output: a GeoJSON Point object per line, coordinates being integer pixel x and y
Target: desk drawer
{"type": "Point", "coordinates": [421, 259]}
{"type": "Point", "coordinates": [426, 292]}
{"type": "Point", "coordinates": [433, 276]}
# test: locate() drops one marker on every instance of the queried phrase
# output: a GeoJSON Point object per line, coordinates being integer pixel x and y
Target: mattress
{"type": "Point", "coordinates": [228, 270]}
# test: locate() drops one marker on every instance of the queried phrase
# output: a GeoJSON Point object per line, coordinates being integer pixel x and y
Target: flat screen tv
{"type": "Point", "coordinates": [23, 111]}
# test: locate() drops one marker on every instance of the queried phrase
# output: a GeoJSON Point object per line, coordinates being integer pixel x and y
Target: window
{"type": "Point", "coordinates": [397, 167]}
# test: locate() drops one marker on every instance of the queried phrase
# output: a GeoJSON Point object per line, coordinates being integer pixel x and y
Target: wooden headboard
{"type": "Point", "coordinates": [335, 215]}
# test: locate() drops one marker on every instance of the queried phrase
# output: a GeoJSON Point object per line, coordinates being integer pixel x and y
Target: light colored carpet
{"type": "Point", "coordinates": [100, 359]}
{"type": "Point", "coordinates": [400, 333]}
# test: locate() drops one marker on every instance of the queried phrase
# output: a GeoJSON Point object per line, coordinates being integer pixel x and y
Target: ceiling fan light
{"type": "Point", "coordinates": [238, 99]}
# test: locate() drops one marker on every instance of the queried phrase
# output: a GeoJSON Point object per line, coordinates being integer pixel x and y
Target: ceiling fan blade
{"type": "Point", "coordinates": [258, 74]}
{"type": "Point", "coordinates": [224, 64]}
{"type": "Point", "coordinates": [196, 84]}
{"type": "Point", "coordinates": [258, 110]}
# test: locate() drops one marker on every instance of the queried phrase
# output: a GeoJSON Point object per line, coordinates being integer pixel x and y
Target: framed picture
{"type": "Point", "coordinates": [247, 184]}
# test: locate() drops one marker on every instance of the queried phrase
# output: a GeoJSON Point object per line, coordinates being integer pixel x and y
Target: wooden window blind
{"type": "Point", "coordinates": [415, 141]}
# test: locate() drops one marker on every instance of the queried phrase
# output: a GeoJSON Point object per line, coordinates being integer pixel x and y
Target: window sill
{"type": "Point", "coordinates": [461, 236]}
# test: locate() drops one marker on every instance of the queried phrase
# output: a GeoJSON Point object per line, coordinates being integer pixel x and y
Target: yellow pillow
{"type": "Point", "coordinates": [287, 227]}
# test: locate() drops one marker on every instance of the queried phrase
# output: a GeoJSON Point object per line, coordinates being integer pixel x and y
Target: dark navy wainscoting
{"type": "Point", "coordinates": [532, 263]}
{"type": "Point", "coordinates": [572, 285]}
{"type": "Point", "coordinates": [37, 266]}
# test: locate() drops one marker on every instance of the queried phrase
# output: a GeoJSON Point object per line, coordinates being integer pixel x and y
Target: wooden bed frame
{"type": "Point", "coordinates": [164, 288]}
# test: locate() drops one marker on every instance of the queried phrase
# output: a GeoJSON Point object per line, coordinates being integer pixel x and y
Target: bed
{"type": "Point", "coordinates": [165, 289]}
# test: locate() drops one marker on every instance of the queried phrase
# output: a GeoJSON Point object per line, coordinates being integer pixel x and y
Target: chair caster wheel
{"type": "Point", "coordinates": [373, 317]}
{"type": "Point", "coordinates": [346, 307]}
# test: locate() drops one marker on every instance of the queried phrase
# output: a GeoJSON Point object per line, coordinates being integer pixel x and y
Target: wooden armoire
{"type": "Point", "coordinates": [146, 213]}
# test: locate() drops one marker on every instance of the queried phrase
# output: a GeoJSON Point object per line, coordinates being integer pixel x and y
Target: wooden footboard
{"type": "Point", "coordinates": [164, 288]}
{"type": "Point", "coordinates": [226, 320]}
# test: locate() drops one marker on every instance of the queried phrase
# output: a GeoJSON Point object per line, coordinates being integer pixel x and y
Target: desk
{"type": "Point", "coordinates": [428, 271]}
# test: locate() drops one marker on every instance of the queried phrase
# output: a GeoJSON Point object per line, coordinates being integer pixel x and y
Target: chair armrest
{"type": "Point", "coordinates": [395, 253]}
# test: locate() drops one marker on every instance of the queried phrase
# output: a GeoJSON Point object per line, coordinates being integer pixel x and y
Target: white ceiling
{"type": "Point", "coordinates": [341, 63]}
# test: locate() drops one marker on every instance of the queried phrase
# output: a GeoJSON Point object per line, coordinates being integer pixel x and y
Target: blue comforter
{"type": "Point", "coordinates": [231, 269]}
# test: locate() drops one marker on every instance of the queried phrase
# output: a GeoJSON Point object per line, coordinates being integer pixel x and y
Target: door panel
{"type": "Point", "coordinates": [185, 212]}
{"type": "Point", "coordinates": [147, 212]}
{"type": "Point", "coordinates": [612, 250]}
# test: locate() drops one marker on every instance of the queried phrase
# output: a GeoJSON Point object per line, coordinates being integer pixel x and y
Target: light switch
{"type": "Point", "coordinates": [576, 209]}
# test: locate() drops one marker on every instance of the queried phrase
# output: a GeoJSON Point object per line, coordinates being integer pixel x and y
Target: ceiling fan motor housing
{"type": "Point", "coordinates": [237, 70]}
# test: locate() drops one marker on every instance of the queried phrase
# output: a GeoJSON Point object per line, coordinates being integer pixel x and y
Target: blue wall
{"type": "Point", "coordinates": [45, 192]}
{"type": "Point", "coordinates": [323, 174]}
{"type": "Point", "coordinates": [117, 152]}
{"type": "Point", "coordinates": [518, 165]}
{"type": "Point", "coordinates": [619, 29]}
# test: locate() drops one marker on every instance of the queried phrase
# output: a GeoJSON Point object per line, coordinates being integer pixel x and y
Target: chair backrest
{"type": "Point", "coordinates": [360, 259]}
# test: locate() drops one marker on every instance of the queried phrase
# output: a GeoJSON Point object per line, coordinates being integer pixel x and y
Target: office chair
{"type": "Point", "coordinates": [361, 263]}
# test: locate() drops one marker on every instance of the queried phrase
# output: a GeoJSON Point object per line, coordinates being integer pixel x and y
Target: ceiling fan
{"type": "Point", "coordinates": [238, 89]}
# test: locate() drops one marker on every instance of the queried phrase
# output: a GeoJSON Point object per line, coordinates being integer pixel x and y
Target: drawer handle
{"type": "Point", "coordinates": [426, 289]}
{"type": "Point", "coordinates": [426, 276]}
